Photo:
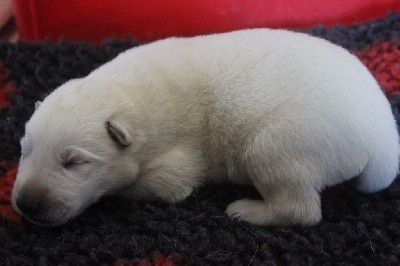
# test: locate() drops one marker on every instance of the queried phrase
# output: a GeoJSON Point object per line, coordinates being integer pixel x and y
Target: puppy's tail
{"type": "Point", "coordinates": [381, 169]}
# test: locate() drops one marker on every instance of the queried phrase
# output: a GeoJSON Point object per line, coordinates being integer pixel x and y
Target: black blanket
{"type": "Point", "coordinates": [356, 228]}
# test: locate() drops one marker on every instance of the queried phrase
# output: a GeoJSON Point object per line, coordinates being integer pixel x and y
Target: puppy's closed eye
{"type": "Point", "coordinates": [76, 156]}
{"type": "Point", "coordinates": [74, 161]}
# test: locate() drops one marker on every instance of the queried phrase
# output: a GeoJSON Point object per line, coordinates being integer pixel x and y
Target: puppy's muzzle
{"type": "Point", "coordinates": [28, 206]}
{"type": "Point", "coordinates": [37, 205]}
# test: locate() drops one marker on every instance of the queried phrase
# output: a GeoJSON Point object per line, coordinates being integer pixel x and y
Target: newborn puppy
{"type": "Point", "coordinates": [288, 113]}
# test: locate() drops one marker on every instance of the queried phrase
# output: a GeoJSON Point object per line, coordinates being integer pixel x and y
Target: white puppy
{"type": "Point", "coordinates": [283, 111]}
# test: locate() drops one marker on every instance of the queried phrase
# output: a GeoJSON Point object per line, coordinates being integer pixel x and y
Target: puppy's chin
{"type": "Point", "coordinates": [47, 221]}
{"type": "Point", "coordinates": [51, 221]}
{"type": "Point", "coordinates": [54, 222]}
{"type": "Point", "coordinates": [44, 223]}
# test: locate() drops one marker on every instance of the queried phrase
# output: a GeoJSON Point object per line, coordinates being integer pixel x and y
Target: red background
{"type": "Point", "coordinates": [147, 20]}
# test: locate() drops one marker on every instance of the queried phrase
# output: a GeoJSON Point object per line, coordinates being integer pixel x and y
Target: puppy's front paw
{"type": "Point", "coordinates": [252, 211]}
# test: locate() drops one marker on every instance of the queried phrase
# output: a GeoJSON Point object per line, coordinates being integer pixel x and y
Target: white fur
{"type": "Point", "coordinates": [286, 112]}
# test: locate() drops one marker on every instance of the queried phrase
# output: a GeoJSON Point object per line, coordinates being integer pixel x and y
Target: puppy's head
{"type": "Point", "coordinates": [76, 149]}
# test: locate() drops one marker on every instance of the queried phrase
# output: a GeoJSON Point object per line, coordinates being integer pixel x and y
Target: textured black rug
{"type": "Point", "coordinates": [357, 228]}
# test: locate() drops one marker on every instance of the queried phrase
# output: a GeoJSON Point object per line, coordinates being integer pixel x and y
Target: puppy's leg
{"type": "Point", "coordinates": [172, 176]}
{"type": "Point", "coordinates": [287, 179]}
{"type": "Point", "coordinates": [285, 206]}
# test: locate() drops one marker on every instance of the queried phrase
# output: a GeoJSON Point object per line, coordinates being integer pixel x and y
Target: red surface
{"type": "Point", "coordinates": [383, 60]}
{"type": "Point", "coordinates": [152, 19]}
{"type": "Point", "coordinates": [6, 89]}
{"type": "Point", "coordinates": [6, 183]}
{"type": "Point", "coordinates": [158, 260]}
{"type": "Point", "coordinates": [7, 179]}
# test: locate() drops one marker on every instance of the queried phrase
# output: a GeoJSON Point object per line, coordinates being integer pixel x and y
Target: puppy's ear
{"type": "Point", "coordinates": [119, 133]}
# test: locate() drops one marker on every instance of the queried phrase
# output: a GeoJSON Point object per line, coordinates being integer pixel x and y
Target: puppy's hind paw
{"type": "Point", "coordinates": [264, 213]}
{"type": "Point", "coordinates": [251, 211]}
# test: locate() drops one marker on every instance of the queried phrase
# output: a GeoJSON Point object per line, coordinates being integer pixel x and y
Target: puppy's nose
{"type": "Point", "coordinates": [28, 206]}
